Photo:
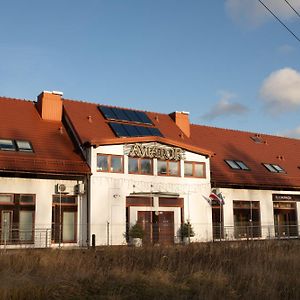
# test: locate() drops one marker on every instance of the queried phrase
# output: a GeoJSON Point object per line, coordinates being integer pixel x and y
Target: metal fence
{"type": "Point", "coordinates": [164, 234]}
{"type": "Point", "coordinates": [16, 238]}
{"type": "Point", "coordinates": [151, 234]}
{"type": "Point", "coordinates": [256, 232]}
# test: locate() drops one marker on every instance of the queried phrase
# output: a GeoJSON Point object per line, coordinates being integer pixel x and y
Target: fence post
{"type": "Point", "coordinates": [107, 232]}
{"type": "Point", "coordinates": [4, 235]}
{"type": "Point", "coordinates": [46, 238]}
{"type": "Point", "coordinates": [93, 241]}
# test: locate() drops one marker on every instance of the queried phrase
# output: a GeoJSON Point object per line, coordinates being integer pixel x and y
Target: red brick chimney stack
{"type": "Point", "coordinates": [50, 105]}
{"type": "Point", "coordinates": [181, 118]}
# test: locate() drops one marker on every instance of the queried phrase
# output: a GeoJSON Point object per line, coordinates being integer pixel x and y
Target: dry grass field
{"type": "Point", "coordinates": [240, 270]}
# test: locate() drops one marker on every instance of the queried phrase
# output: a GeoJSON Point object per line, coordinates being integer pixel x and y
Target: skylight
{"type": "Point", "coordinates": [236, 164]}
{"type": "Point", "coordinates": [274, 168]}
{"type": "Point", "coordinates": [7, 145]}
{"type": "Point", "coordinates": [24, 146]}
{"type": "Point", "coordinates": [257, 139]}
{"type": "Point", "coordinates": [15, 145]}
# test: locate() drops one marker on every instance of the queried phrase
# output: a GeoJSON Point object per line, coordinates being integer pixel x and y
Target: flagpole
{"type": "Point", "coordinates": [220, 221]}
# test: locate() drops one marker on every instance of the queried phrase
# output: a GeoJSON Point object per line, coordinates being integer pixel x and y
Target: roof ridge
{"type": "Point", "coordinates": [246, 131]}
{"type": "Point", "coordinates": [15, 99]}
{"type": "Point", "coordinates": [115, 106]}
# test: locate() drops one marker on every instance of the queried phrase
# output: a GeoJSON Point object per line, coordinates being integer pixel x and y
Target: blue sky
{"type": "Point", "coordinates": [229, 63]}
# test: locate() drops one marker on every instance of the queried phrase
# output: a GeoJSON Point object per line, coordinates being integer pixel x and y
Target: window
{"type": "Point", "coordinates": [194, 169]}
{"type": "Point", "coordinates": [167, 167]}
{"type": "Point", "coordinates": [24, 146]}
{"type": "Point", "coordinates": [257, 139]}
{"type": "Point", "coordinates": [140, 166]}
{"type": "Point", "coordinates": [7, 145]}
{"type": "Point", "coordinates": [110, 163]}
{"type": "Point", "coordinates": [64, 219]}
{"type": "Point", "coordinates": [237, 164]}
{"type": "Point", "coordinates": [246, 219]}
{"type": "Point", "coordinates": [15, 145]}
{"type": "Point", "coordinates": [274, 168]}
{"type": "Point", "coordinates": [17, 212]}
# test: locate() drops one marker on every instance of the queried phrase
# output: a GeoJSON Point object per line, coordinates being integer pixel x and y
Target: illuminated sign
{"type": "Point", "coordinates": [156, 151]}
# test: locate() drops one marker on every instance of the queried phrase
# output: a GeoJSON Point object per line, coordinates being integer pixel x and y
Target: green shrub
{"type": "Point", "coordinates": [136, 231]}
{"type": "Point", "coordinates": [186, 230]}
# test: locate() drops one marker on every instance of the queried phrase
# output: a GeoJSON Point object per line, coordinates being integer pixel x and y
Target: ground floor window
{"type": "Point", "coordinates": [17, 214]}
{"type": "Point", "coordinates": [246, 219]}
{"type": "Point", "coordinates": [64, 219]}
{"type": "Point", "coordinates": [285, 219]}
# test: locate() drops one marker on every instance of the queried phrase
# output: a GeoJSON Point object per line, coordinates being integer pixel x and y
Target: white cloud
{"type": "Point", "coordinates": [252, 13]}
{"type": "Point", "coordinates": [294, 133]}
{"type": "Point", "coordinates": [225, 107]}
{"type": "Point", "coordinates": [286, 49]}
{"type": "Point", "coordinates": [280, 91]}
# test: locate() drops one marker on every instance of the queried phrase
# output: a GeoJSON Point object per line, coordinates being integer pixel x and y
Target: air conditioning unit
{"type": "Point", "coordinates": [61, 189]}
{"type": "Point", "coordinates": [79, 189]}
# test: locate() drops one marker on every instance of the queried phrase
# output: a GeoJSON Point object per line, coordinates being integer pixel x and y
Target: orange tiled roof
{"type": "Point", "coordinates": [238, 145]}
{"type": "Point", "coordinates": [91, 127]}
{"type": "Point", "coordinates": [54, 151]}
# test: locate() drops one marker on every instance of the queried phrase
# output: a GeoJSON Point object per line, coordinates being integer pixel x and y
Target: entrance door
{"type": "Point", "coordinates": [145, 221]}
{"type": "Point", "coordinates": [166, 227]}
{"type": "Point", "coordinates": [158, 226]}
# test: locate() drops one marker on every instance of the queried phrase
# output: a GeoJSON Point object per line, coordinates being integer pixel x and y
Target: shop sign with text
{"type": "Point", "coordinates": [156, 151]}
{"type": "Point", "coordinates": [286, 197]}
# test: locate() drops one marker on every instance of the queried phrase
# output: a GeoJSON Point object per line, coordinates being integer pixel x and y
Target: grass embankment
{"type": "Point", "coordinates": [256, 270]}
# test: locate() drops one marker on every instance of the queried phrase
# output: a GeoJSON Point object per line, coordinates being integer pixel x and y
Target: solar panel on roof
{"type": "Point", "coordinates": [127, 115]}
{"type": "Point", "coordinates": [133, 116]}
{"type": "Point", "coordinates": [119, 129]}
{"type": "Point", "coordinates": [126, 130]}
{"type": "Point", "coordinates": [143, 117]}
{"type": "Point", "coordinates": [107, 112]}
{"type": "Point", "coordinates": [155, 131]}
{"type": "Point", "coordinates": [132, 130]}
{"type": "Point", "coordinates": [143, 131]}
{"type": "Point", "coordinates": [120, 114]}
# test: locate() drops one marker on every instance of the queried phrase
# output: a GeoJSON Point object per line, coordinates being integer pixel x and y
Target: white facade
{"type": "Point", "coordinates": [108, 192]}
{"type": "Point", "coordinates": [266, 208]}
{"type": "Point", "coordinates": [43, 191]}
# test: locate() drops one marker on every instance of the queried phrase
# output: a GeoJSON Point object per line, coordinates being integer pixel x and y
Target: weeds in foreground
{"type": "Point", "coordinates": [240, 270]}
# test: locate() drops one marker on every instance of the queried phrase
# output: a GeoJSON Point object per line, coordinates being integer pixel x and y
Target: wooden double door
{"type": "Point", "coordinates": [158, 226]}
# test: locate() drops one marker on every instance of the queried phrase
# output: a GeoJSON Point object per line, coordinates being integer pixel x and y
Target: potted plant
{"type": "Point", "coordinates": [186, 232]}
{"type": "Point", "coordinates": [136, 234]}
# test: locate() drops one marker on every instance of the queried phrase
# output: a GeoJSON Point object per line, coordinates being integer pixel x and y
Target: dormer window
{"type": "Point", "coordinates": [274, 168]}
{"type": "Point", "coordinates": [236, 164]}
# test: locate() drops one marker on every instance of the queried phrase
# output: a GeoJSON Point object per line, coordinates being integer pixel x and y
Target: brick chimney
{"type": "Point", "coordinates": [181, 118]}
{"type": "Point", "coordinates": [49, 105]}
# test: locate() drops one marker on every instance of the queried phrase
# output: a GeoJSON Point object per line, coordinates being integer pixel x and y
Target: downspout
{"type": "Point", "coordinates": [88, 218]}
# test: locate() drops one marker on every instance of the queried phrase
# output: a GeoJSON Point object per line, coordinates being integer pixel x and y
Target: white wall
{"type": "Point", "coordinates": [44, 189]}
{"type": "Point", "coordinates": [109, 192]}
{"type": "Point", "coordinates": [266, 206]}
